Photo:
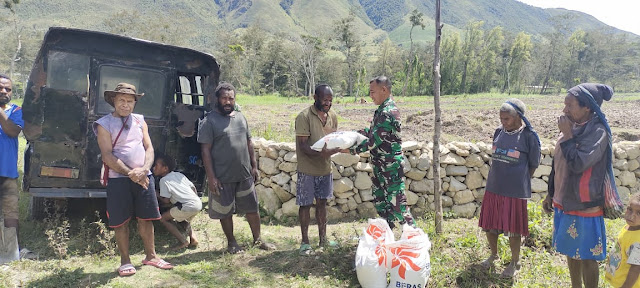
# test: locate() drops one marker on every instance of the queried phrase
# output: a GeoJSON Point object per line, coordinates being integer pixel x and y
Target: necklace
{"type": "Point", "coordinates": [514, 131]}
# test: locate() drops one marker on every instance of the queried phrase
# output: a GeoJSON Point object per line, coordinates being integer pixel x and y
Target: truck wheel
{"type": "Point", "coordinates": [37, 207]}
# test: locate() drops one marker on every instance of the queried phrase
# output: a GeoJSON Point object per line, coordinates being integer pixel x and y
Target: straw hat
{"type": "Point", "coordinates": [121, 88]}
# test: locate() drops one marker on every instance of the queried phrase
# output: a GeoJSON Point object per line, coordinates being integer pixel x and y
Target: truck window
{"type": "Point", "coordinates": [189, 90]}
{"type": "Point", "coordinates": [151, 83]}
{"type": "Point", "coordinates": [68, 71]}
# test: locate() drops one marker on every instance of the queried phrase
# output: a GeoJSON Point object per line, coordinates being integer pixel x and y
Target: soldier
{"type": "Point", "coordinates": [385, 143]}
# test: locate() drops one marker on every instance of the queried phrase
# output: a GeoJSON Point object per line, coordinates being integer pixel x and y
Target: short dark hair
{"type": "Point", "coordinates": [4, 76]}
{"type": "Point", "coordinates": [166, 161]}
{"type": "Point", "coordinates": [321, 88]}
{"type": "Point", "coordinates": [224, 86]}
{"type": "Point", "coordinates": [384, 80]}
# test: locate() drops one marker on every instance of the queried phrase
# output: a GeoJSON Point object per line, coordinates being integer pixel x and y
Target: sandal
{"type": "Point", "coordinates": [305, 250]}
{"type": "Point", "coordinates": [126, 270]}
{"type": "Point", "coordinates": [164, 265]}
{"type": "Point", "coordinates": [28, 254]}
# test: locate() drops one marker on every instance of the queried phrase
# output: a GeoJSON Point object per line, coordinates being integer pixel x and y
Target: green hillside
{"type": "Point", "coordinates": [375, 18]}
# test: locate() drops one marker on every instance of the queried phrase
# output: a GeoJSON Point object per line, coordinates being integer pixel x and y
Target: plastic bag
{"type": "Point", "coordinates": [410, 265]}
{"type": "Point", "coordinates": [371, 255]}
{"type": "Point", "coordinates": [340, 139]}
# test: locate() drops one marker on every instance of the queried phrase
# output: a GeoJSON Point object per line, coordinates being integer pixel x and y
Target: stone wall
{"type": "Point", "coordinates": [465, 167]}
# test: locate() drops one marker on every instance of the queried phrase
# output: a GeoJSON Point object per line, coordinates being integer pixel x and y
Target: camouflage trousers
{"type": "Point", "coordinates": [389, 197]}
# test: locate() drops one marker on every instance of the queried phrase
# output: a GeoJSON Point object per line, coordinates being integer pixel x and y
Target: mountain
{"type": "Point", "coordinates": [375, 19]}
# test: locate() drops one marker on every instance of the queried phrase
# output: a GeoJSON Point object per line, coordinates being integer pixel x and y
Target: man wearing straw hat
{"type": "Point", "coordinates": [128, 154]}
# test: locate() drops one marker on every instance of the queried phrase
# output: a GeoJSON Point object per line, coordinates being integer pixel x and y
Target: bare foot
{"type": "Point", "coordinates": [511, 270]}
{"type": "Point", "coordinates": [234, 248]}
{"type": "Point", "coordinates": [488, 264]}
{"type": "Point", "coordinates": [193, 244]}
{"type": "Point", "coordinates": [180, 246]}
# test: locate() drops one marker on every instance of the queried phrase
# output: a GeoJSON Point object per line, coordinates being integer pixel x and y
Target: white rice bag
{"type": "Point", "coordinates": [340, 139]}
{"type": "Point", "coordinates": [410, 263]}
{"type": "Point", "coordinates": [372, 259]}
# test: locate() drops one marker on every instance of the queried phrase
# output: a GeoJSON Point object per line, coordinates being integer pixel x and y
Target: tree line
{"type": "Point", "coordinates": [475, 59]}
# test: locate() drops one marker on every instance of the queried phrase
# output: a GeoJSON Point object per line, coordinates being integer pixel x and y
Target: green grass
{"type": "Point", "coordinates": [455, 254]}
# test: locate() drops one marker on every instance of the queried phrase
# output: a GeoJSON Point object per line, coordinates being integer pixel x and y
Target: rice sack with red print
{"type": "Point", "coordinates": [371, 256]}
{"type": "Point", "coordinates": [410, 265]}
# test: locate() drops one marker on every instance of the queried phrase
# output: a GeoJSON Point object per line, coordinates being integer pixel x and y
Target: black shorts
{"type": "Point", "coordinates": [126, 199]}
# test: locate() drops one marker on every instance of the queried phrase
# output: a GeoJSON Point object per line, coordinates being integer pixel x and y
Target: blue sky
{"type": "Point", "coordinates": [622, 14]}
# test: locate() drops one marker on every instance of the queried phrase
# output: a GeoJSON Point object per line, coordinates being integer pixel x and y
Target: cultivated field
{"type": "Point", "coordinates": [77, 250]}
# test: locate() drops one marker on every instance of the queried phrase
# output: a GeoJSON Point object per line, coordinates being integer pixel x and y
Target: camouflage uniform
{"type": "Point", "coordinates": [384, 142]}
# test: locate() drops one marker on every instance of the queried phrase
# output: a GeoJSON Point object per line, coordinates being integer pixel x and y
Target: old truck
{"type": "Point", "coordinates": [64, 96]}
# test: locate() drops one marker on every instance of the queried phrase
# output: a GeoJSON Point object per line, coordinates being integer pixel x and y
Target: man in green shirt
{"type": "Point", "coordinates": [315, 180]}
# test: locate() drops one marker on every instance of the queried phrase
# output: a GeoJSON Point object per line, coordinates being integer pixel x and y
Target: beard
{"type": "Point", "coordinates": [223, 111]}
{"type": "Point", "coordinates": [320, 107]}
{"type": "Point", "coordinates": [4, 100]}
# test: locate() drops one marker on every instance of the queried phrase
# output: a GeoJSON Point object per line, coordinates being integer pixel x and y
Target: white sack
{"type": "Point", "coordinates": [340, 139]}
{"type": "Point", "coordinates": [371, 256]}
{"type": "Point", "coordinates": [410, 264]}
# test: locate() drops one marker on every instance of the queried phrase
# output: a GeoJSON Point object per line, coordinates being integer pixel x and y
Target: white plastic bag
{"type": "Point", "coordinates": [340, 139]}
{"type": "Point", "coordinates": [410, 266]}
{"type": "Point", "coordinates": [371, 256]}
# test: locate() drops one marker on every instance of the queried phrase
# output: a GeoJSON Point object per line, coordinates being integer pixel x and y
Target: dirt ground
{"type": "Point", "coordinates": [471, 118]}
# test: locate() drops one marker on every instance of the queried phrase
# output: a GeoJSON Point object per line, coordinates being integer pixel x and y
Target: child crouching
{"type": "Point", "coordinates": [623, 266]}
{"type": "Point", "coordinates": [177, 189]}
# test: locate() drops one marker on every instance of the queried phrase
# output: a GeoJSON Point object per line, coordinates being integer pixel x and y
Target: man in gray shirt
{"type": "Point", "coordinates": [230, 164]}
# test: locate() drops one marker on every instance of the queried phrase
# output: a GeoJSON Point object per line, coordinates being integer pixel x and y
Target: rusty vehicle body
{"type": "Point", "coordinates": [64, 96]}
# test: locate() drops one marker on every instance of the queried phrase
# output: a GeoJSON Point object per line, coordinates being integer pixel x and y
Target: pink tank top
{"type": "Point", "coordinates": [129, 148]}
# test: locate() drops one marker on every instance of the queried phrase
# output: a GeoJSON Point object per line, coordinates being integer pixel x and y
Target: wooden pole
{"type": "Point", "coordinates": [438, 123]}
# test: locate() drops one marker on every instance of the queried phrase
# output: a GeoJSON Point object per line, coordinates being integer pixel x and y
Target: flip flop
{"type": "Point", "coordinates": [305, 250]}
{"type": "Point", "coordinates": [126, 270]}
{"type": "Point", "coordinates": [164, 265]}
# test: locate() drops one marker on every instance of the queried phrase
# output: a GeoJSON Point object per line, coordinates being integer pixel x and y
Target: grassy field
{"type": "Point", "coordinates": [79, 251]}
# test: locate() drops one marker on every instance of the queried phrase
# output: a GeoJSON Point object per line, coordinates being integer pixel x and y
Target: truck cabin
{"type": "Point", "coordinates": [64, 96]}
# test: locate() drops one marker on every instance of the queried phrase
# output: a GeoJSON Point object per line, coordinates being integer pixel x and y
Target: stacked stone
{"type": "Point", "coordinates": [464, 170]}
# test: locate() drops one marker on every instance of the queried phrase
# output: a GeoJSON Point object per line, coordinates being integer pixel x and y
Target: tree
{"type": "Point", "coordinates": [275, 69]}
{"type": "Point", "coordinates": [437, 202]}
{"type": "Point", "coordinates": [472, 43]}
{"type": "Point", "coordinates": [310, 48]}
{"type": "Point", "coordinates": [346, 36]}
{"type": "Point", "coordinates": [553, 48]}
{"type": "Point", "coordinates": [489, 60]}
{"type": "Point", "coordinates": [253, 40]}
{"type": "Point", "coordinates": [416, 19]}
{"type": "Point", "coordinates": [11, 5]}
{"type": "Point", "coordinates": [451, 65]}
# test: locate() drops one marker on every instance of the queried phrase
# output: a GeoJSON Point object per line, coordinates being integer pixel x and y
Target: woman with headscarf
{"type": "Point", "coordinates": [516, 155]}
{"type": "Point", "coordinates": [581, 171]}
